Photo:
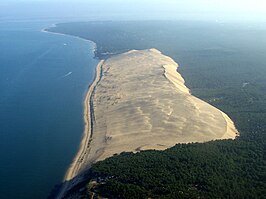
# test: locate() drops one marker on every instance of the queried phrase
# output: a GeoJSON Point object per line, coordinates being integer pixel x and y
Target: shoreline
{"type": "Point", "coordinates": [46, 30]}
{"type": "Point", "coordinates": [77, 163]}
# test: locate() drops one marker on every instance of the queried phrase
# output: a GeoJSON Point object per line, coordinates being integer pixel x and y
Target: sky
{"type": "Point", "coordinates": [217, 10]}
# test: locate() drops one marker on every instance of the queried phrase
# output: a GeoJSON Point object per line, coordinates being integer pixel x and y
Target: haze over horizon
{"type": "Point", "coordinates": [206, 10]}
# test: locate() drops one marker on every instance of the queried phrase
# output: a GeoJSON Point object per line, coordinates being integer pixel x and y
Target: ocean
{"type": "Point", "coordinates": [43, 80]}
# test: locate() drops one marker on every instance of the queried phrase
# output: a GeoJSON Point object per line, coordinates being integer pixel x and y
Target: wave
{"type": "Point", "coordinates": [69, 73]}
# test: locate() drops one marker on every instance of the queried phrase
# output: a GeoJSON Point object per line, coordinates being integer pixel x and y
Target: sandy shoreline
{"type": "Point", "coordinates": [78, 162]}
{"type": "Point", "coordinates": [46, 30]}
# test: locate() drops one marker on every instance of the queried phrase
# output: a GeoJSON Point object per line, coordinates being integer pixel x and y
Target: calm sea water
{"type": "Point", "coordinates": [43, 79]}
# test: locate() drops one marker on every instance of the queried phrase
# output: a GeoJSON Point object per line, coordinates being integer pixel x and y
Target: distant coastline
{"type": "Point", "coordinates": [46, 30]}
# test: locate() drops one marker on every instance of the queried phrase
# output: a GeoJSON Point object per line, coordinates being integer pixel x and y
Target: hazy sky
{"type": "Point", "coordinates": [136, 9]}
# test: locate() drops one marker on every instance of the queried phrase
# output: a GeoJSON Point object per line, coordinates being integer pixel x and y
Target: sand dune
{"type": "Point", "coordinates": [139, 101]}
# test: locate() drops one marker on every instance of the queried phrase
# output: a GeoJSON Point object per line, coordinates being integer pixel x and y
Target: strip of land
{"type": "Point", "coordinates": [78, 163]}
{"type": "Point", "coordinates": [80, 160]}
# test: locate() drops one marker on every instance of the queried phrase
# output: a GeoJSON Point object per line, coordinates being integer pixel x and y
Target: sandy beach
{"type": "Point", "coordinates": [78, 162]}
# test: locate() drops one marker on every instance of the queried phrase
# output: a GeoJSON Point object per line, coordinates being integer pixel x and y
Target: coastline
{"type": "Point", "coordinates": [46, 30]}
{"type": "Point", "coordinates": [78, 162]}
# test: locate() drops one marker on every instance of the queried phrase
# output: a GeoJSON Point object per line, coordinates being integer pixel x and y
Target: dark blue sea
{"type": "Point", "coordinates": [43, 80]}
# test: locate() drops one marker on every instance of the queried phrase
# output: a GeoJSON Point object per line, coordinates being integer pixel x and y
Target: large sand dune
{"type": "Point", "coordinates": [141, 103]}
